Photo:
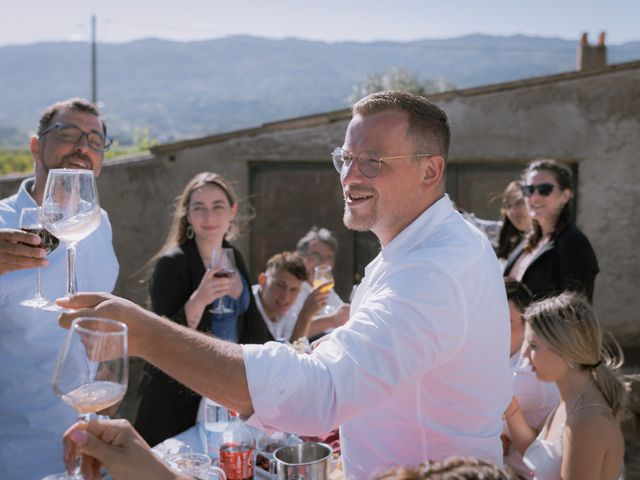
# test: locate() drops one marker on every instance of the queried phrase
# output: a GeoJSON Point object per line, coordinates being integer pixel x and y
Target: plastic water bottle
{"type": "Point", "coordinates": [216, 420]}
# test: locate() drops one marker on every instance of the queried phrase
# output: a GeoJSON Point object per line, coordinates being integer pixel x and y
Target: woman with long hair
{"type": "Point", "coordinates": [581, 438]}
{"type": "Point", "coordinates": [515, 220]}
{"type": "Point", "coordinates": [183, 287]}
{"type": "Point", "coordinates": [556, 256]}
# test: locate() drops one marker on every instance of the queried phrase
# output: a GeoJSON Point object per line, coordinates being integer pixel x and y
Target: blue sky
{"type": "Point", "coordinates": [328, 20]}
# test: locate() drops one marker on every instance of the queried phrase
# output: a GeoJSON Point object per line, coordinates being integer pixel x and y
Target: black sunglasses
{"type": "Point", "coordinates": [543, 189]}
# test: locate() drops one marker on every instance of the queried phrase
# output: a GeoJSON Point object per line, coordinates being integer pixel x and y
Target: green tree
{"type": "Point", "coordinates": [398, 78]}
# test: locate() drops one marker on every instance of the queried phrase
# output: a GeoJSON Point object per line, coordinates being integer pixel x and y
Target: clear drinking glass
{"type": "Point", "coordinates": [30, 222]}
{"type": "Point", "coordinates": [92, 370]}
{"type": "Point", "coordinates": [197, 465]}
{"type": "Point", "coordinates": [70, 211]}
{"type": "Point", "coordinates": [225, 260]}
{"type": "Point", "coordinates": [324, 274]}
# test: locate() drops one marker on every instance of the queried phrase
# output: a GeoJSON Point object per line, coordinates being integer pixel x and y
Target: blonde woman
{"type": "Point", "coordinates": [581, 438]}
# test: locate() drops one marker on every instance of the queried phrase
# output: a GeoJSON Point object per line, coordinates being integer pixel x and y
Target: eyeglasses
{"type": "Point", "coordinates": [543, 189]}
{"type": "Point", "coordinates": [368, 162]}
{"type": "Point", "coordinates": [72, 134]}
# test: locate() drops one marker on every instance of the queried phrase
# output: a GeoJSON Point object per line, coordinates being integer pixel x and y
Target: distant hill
{"type": "Point", "coordinates": [180, 90]}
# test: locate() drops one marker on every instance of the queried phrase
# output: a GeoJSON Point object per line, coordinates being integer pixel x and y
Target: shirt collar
{"type": "Point", "coordinates": [24, 198]}
{"type": "Point", "coordinates": [417, 230]}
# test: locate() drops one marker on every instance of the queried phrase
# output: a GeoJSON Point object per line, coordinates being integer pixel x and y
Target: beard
{"type": "Point", "coordinates": [65, 161]}
{"type": "Point", "coordinates": [360, 222]}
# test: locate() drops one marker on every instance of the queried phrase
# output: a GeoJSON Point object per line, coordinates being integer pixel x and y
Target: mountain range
{"type": "Point", "coordinates": [179, 90]}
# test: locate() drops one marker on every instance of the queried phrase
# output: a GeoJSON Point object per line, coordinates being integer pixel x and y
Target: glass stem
{"type": "Point", "coordinates": [38, 291]}
{"type": "Point", "coordinates": [76, 474]}
{"type": "Point", "coordinates": [71, 269]}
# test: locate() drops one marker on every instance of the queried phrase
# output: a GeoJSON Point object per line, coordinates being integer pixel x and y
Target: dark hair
{"type": "Point", "coordinates": [509, 236]}
{"type": "Point", "coordinates": [77, 104]}
{"type": "Point", "coordinates": [564, 177]}
{"type": "Point", "coordinates": [452, 468]}
{"type": "Point", "coordinates": [288, 262]}
{"type": "Point", "coordinates": [518, 293]}
{"type": "Point", "coordinates": [428, 124]}
{"type": "Point", "coordinates": [323, 235]}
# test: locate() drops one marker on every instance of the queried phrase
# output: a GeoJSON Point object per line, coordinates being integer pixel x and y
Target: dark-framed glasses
{"type": "Point", "coordinates": [543, 189]}
{"type": "Point", "coordinates": [72, 134]}
{"type": "Point", "coordinates": [368, 162]}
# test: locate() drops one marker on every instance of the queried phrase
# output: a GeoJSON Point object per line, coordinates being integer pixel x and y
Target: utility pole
{"type": "Point", "coordinates": [94, 89]}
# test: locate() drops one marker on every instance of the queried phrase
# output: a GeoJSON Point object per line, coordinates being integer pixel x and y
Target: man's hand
{"type": "Point", "coordinates": [14, 256]}
{"type": "Point", "coordinates": [116, 445]}
{"type": "Point", "coordinates": [315, 301]}
{"type": "Point", "coordinates": [341, 315]}
{"type": "Point", "coordinates": [105, 305]}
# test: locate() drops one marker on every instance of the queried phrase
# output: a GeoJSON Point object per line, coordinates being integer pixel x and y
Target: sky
{"type": "Point", "coordinates": [326, 20]}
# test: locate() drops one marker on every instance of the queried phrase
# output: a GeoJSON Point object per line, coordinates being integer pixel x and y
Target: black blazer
{"type": "Point", "coordinates": [166, 407]}
{"type": "Point", "coordinates": [567, 262]}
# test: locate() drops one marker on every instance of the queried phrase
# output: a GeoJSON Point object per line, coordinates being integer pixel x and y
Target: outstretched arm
{"type": "Point", "coordinates": [212, 367]}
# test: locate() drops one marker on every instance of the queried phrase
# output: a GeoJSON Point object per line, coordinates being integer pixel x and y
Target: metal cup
{"type": "Point", "coordinates": [306, 461]}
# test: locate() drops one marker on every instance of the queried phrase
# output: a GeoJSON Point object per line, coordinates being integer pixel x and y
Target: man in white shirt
{"type": "Point", "coordinates": [420, 370]}
{"type": "Point", "coordinates": [32, 417]}
{"type": "Point", "coordinates": [536, 398]}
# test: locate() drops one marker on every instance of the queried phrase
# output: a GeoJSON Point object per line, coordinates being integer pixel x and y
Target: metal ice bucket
{"type": "Point", "coordinates": [305, 461]}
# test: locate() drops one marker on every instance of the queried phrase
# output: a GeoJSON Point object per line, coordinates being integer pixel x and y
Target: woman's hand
{"type": "Point", "coordinates": [116, 445]}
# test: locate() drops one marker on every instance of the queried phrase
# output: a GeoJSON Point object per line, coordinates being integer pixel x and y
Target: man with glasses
{"type": "Point", "coordinates": [420, 370]}
{"type": "Point", "coordinates": [70, 134]}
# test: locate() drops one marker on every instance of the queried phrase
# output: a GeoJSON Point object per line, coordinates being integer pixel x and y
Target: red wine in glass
{"type": "Point", "coordinates": [225, 273]}
{"type": "Point", "coordinates": [48, 241]}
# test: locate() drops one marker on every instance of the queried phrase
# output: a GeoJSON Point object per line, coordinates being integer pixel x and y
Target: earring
{"type": "Point", "coordinates": [189, 231]}
{"type": "Point", "coordinates": [572, 365]}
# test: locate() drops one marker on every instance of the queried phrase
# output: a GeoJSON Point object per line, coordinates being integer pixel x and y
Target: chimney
{"type": "Point", "coordinates": [592, 57]}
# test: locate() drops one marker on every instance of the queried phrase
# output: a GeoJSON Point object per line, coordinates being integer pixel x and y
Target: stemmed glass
{"type": "Point", "coordinates": [71, 211]}
{"type": "Point", "coordinates": [225, 260]}
{"type": "Point", "coordinates": [92, 370]}
{"type": "Point", "coordinates": [30, 222]}
{"type": "Point", "coordinates": [323, 274]}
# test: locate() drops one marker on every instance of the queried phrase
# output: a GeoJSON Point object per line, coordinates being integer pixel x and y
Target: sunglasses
{"type": "Point", "coordinates": [543, 189]}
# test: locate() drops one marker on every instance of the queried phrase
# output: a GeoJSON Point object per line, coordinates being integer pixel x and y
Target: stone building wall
{"type": "Point", "coordinates": [591, 119]}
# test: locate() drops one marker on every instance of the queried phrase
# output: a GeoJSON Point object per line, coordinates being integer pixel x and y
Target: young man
{"type": "Point", "coordinates": [420, 369]}
{"type": "Point", "coordinates": [275, 293]}
{"type": "Point", "coordinates": [71, 134]}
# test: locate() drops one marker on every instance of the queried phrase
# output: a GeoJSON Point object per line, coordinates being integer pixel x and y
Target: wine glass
{"type": "Point", "coordinates": [225, 260]}
{"type": "Point", "coordinates": [323, 274]}
{"type": "Point", "coordinates": [30, 223]}
{"type": "Point", "coordinates": [91, 372]}
{"type": "Point", "coordinates": [70, 211]}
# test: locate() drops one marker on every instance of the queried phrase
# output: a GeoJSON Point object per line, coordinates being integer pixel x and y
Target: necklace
{"type": "Point", "coordinates": [578, 397]}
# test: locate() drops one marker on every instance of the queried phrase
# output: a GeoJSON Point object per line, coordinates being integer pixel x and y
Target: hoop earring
{"type": "Point", "coordinates": [190, 233]}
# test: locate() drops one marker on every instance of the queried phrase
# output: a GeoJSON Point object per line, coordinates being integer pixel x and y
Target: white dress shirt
{"type": "Point", "coordinates": [536, 400]}
{"type": "Point", "coordinates": [32, 417]}
{"type": "Point", "coordinates": [420, 370]}
{"type": "Point", "coordinates": [282, 328]}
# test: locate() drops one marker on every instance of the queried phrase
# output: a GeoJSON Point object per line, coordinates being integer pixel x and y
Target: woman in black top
{"type": "Point", "coordinates": [556, 255]}
{"type": "Point", "coordinates": [515, 220]}
{"type": "Point", "coordinates": [182, 289]}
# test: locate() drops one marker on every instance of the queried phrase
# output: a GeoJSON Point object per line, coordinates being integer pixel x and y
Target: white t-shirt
{"type": "Point", "coordinates": [420, 370]}
{"type": "Point", "coordinates": [536, 400]}
{"type": "Point", "coordinates": [32, 417]}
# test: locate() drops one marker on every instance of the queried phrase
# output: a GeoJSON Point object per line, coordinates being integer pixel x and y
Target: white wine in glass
{"type": "Point", "coordinates": [70, 211]}
{"type": "Point", "coordinates": [92, 370]}
{"type": "Point", "coordinates": [323, 274]}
